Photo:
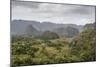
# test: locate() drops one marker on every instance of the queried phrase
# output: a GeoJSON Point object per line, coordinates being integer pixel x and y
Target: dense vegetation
{"type": "Point", "coordinates": [33, 51]}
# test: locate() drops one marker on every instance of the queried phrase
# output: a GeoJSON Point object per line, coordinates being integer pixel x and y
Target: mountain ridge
{"type": "Point", "coordinates": [21, 27]}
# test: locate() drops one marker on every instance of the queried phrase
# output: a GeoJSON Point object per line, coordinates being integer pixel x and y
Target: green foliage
{"type": "Point", "coordinates": [30, 51]}
{"type": "Point", "coordinates": [84, 46]}
{"type": "Point", "coordinates": [49, 35]}
{"type": "Point", "coordinates": [19, 60]}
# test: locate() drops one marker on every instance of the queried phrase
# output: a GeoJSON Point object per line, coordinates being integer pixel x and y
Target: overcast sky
{"type": "Point", "coordinates": [56, 13]}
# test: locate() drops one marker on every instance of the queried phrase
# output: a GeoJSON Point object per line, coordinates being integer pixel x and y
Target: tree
{"type": "Point", "coordinates": [84, 46]}
{"type": "Point", "coordinates": [49, 35]}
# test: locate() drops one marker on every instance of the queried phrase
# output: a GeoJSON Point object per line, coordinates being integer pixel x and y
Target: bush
{"type": "Point", "coordinates": [49, 35]}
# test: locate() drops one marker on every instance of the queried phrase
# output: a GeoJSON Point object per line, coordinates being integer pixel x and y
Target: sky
{"type": "Point", "coordinates": [52, 12]}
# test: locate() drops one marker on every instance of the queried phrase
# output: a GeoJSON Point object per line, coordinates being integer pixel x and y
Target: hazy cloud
{"type": "Point", "coordinates": [58, 13]}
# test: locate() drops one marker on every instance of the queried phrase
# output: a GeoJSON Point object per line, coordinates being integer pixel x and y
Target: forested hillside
{"type": "Point", "coordinates": [50, 48]}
